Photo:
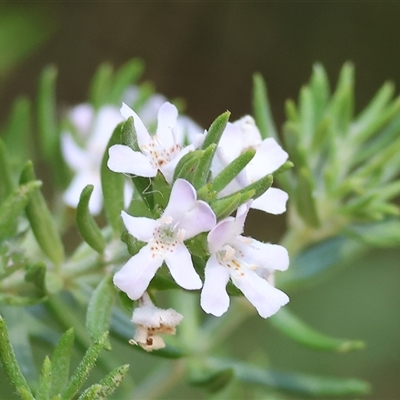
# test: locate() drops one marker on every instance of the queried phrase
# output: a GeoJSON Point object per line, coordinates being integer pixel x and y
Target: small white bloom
{"type": "Point", "coordinates": [247, 262]}
{"type": "Point", "coordinates": [94, 130]}
{"type": "Point", "coordinates": [239, 137]}
{"type": "Point", "coordinates": [160, 152]}
{"type": "Point", "coordinates": [183, 218]}
{"type": "Point", "coordinates": [151, 322]}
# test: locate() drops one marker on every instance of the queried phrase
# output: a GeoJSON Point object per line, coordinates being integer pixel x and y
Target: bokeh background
{"type": "Point", "coordinates": [206, 53]}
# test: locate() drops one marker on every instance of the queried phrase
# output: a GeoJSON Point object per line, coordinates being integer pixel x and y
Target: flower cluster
{"type": "Point", "coordinates": [191, 165]}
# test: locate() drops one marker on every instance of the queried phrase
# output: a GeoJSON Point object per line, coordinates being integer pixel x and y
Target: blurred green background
{"type": "Point", "coordinates": [206, 53]}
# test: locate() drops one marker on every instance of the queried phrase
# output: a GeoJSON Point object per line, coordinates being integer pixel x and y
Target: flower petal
{"type": "Point", "coordinates": [200, 218]}
{"type": "Point", "coordinates": [214, 299]}
{"type": "Point", "coordinates": [264, 297]}
{"type": "Point", "coordinates": [221, 234]}
{"type": "Point", "coordinates": [169, 168]}
{"type": "Point", "coordinates": [142, 133]}
{"type": "Point", "coordinates": [269, 157]}
{"type": "Point", "coordinates": [134, 277]}
{"type": "Point", "coordinates": [182, 199]}
{"type": "Point", "coordinates": [181, 267]}
{"type": "Point", "coordinates": [263, 255]}
{"type": "Point", "coordinates": [124, 159]}
{"type": "Point", "coordinates": [75, 156]}
{"type": "Point", "coordinates": [272, 201]}
{"type": "Point", "coordinates": [167, 119]}
{"type": "Point", "coordinates": [141, 228]}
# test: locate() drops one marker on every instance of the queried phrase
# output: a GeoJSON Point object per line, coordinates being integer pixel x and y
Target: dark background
{"type": "Point", "coordinates": [206, 53]}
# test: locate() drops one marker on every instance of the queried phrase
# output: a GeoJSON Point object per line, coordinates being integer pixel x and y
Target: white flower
{"type": "Point", "coordinates": [239, 137]}
{"type": "Point", "coordinates": [160, 152]}
{"type": "Point", "coordinates": [94, 130]}
{"type": "Point", "coordinates": [246, 262]}
{"type": "Point", "coordinates": [151, 322]}
{"type": "Point", "coordinates": [183, 218]}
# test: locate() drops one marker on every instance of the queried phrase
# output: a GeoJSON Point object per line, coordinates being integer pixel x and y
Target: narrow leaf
{"type": "Point", "coordinates": [232, 170]}
{"type": "Point", "coordinates": [216, 130]}
{"type": "Point", "coordinates": [262, 109]}
{"type": "Point", "coordinates": [101, 85]}
{"type": "Point", "coordinates": [9, 362]}
{"type": "Point", "coordinates": [92, 393]}
{"type": "Point", "coordinates": [110, 382]}
{"type": "Point", "coordinates": [113, 187]}
{"type": "Point", "coordinates": [42, 222]}
{"type": "Point", "coordinates": [43, 392]}
{"type": "Point", "coordinates": [127, 75]}
{"type": "Point", "coordinates": [13, 207]}
{"type": "Point", "coordinates": [202, 170]}
{"type": "Point", "coordinates": [100, 309]}
{"type": "Point", "coordinates": [301, 384]}
{"type": "Point", "coordinates": [6, 184]}
{"type": "Point", "coordinates": [294, 328]}
{"type": "Point", "coordinates": [87, 226]}
{"type": "Point", "coordinates": [60, 362]}
{"type": "Point", "coordinates": [84, 368]}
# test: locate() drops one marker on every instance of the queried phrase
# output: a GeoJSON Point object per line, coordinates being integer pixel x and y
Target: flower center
{"type": "Point", "coordinates": [159, 154]}
{"type": "Point", "coordinates": [166, 237]}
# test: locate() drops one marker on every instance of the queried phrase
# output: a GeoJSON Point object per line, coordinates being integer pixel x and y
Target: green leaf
{"type": "Point", "coordinates": [127, 75]}
{"type": "Point", "coordinates": [100, 309]}
{"type": "Point", "coordinates": [377, 234]}
{"type": "Point", "coordinates": [37, 275]}
{"type": "Point", "coordinates": [13, 207]}
{"type": "Point", "coordinates": [202, 171]}
{"type": "Point", "coordinates": [318, 260]}
{"type": "Point", "coordinates": [297, 330]}
{"type": "Point", "coordinates": [60, 362]}
{"type": "Point", "coordinates": [6, 184]}
{"type": "Point", "coordinates": [41, 221]}
{"type": "Point", "coordinates": [133, 244]}
{"type": "Point", "coordinates": [110, 382]}
{"type": "Point", "coordinates": [92, 393]}
{"type": "Point", "coordinates": [226, 206]}
{"type": "Point", "coordinates": [100, 88]}
{"type": "Point", "coordinates": [9, 362]}
{"type": "Point", "coordinates": [47, 124]}
{"type": "Point", "coordinates": [305, 199]}
{"type": "Point", "coordinates": [84, 368]}
{"type": "Point", "coordinates": [262, 109]}
{"type": "Point", "coordinates": [43, 392]}
{"type": "Point", "coordinates": [216, 130]}
{"type": "Point", "coordinates": [18, 134]}
{"type": "Point", "coordinates": [300, 384]}
{"type": "Point", "coordinates": [87, 226]}
{"type": "Point", "coordinates": [112, 184]}
{"type": "Point", "coordinates": [232, 170]}
{"type": "Point", "coordinates": [187, 165]}
{"type": "Point", "coordinates": [319, 85]}
{"type": "Point", "coordinates": [212, 380]}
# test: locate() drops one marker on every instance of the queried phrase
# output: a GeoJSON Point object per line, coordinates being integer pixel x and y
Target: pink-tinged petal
{"type": "Point", "coordinates": [167, 118]}
{"type": "Point", "coordinates": [141, 228]}
{"type": "Point", "coordinates": [264, 297]}
{"type": "Point", "coordinates": [75, 157]}
{"type": "Point", "coordinates": [107, 120]}
{"type": "Point", "coordinates": [182, 199]}
{"type": "Point", "coordinates": [251, 137]}
{"type": "Point", "coordinates": [220, 235]}
{"type": "Point", "coordinates": [82, 116]}
{"type": "Point", "coordinates": [241, 215]}
{"type": "Point", "coordinates": [214, 298]}
{"type": "Point", "coordinates": [263, 255]}
{"type": "Point", "coordinates": [124, 159]}
{"type": "Point", "coordinates": [272, 201]}
{"type": "Point", "coordinates": [134, 277]}
{"type": "Point", "coordinates": [269, 157]}
{"type": "Point", "coordinates": [181, 267]}
{"type": "Point", "coordinates": [231, 143]}
{"type": "Point", "coordinates": [200, 218]}
{"type": "Point", "coordinates": [187, 130]}
{"type": "Point", "coordinates": [142, 133]}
